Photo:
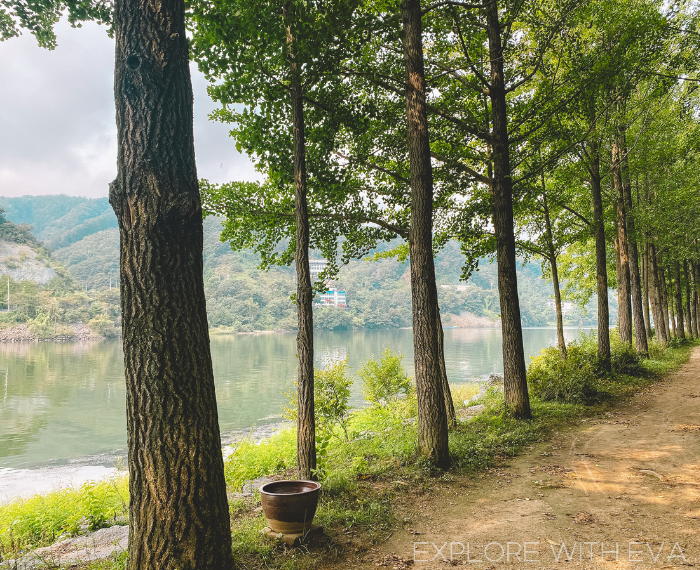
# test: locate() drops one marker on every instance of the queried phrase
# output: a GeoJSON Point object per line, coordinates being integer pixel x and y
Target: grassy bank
{"type": "Point", "coordinates": [367, 460]}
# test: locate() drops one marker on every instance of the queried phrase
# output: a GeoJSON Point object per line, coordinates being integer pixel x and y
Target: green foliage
{"type": "Point", "coordinates": [573, 380]}
{"type": "Point", "coordinates": [579, 379]}
{"type": "Point", "coordinates": [250, 459]}
{"type": "Point", "coordinates": [331, 396]}
{"type": "Point", "coordinates": [386, 380]}
{"type": "Point", "coordinates": [39, 520]}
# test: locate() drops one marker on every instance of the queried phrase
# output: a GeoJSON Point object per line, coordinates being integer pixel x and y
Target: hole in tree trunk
{"type": "Point", "coordinates": [133, 61]}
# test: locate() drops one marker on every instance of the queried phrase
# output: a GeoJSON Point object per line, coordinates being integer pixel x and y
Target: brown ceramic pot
{"type": "Point", "coordinates": [290, 506]}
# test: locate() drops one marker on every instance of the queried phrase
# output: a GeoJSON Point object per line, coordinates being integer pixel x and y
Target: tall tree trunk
{"type": "Point", "coordinates": [672, 305]}
{"type": "Point", "coordinates": [517, 399]}
{"type": "Point", "coordinates": [178, 511]}
{"type": "Point", "coordinates": [449, 404]}
{"type": "Point", "coordinates": [645, 282]}
{"type": "Point", "coordinates": [695, 272]}
{"type": "Point", "coordinates": [306, 423]}
{"type": "Point", "coordinates": [555, 275]}
{"type": "Point", "coordinates": [654, 294]}
{"type": "Point", "coordinates": [668, 324]}
{"type": "Point", "coordinates": [689, 319]}
{"type": "Point", "coordinates": [661, 322]}
{"type": "Point", "coordinates": [432, 416]}
{"type": "Point", "coordinates": [694, 298]}
{"type": "Point", "coordinates": [640, 333]}
{"type": "Point", "coordinates": [601, 261]}
{"type": "Point", "coordinates": [679, 298]}
{"type": "Point", "coordinates": [623, 285]}
{"type": "Point", "coordinates": [668, 303]}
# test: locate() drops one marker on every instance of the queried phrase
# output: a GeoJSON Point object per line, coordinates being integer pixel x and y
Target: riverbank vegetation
{"type": "Point", "coordinates": [366, 457]}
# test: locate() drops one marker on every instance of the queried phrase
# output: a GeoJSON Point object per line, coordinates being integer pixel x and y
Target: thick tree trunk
{"type": "Point", "coordinates": [679, 298]}
{"type": "Point", "coordinates": [694, 298]}
{"type": "Point", "coordinates": [449, 404]}
{"type": "Point", "coordinates": [671, 305]}
{"type": "Point", "coordinates": [689, 317]}
{"type": "Point", "coordinates": [601, 261]}
{"type": "Point", "coordinates": [623, 284]}
{"type": "Point", "coordinates": [178, 511]}
{"type": "Point", "coordinates": [660, 321]}
{"type": "Point", "coordinates": [432, 416]}
{"type": "Point", "coordinates": [647, 297]}
{"type": "Point", "coordinates": [695, 271]}
{"type": "Point", "coordinates": [516, 395]}
{"type": "Point", "coordinates": [640, 333]}
{"type": "Point", "coordinates": [668, 303]}
{"type": "Point", "coordinates": [306, 422]}
{"type": "Point", "coordinates": [668, 324]}
{"type": "Point", "coordinates": [561, 342]}
{"type": "Point", "coordinates": [654, 295]}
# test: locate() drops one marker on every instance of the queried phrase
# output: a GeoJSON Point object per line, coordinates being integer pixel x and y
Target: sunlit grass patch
{"type": "Point", "coordinates": [42, 519]}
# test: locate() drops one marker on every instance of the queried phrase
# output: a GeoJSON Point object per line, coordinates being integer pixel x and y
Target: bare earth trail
{"type": "Point", "coordinates": [620, 490]}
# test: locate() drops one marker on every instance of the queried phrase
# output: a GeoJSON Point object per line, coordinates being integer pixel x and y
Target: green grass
{"type": "Point", "coordinates": [40, 520]}
{"type": "Point", "coordinates": [364, 471]}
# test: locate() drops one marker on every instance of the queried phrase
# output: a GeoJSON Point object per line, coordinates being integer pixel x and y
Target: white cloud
{"type": "Point", "coordinates": [57, 127]}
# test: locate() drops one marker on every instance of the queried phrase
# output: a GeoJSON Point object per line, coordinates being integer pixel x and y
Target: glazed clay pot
{"type": "Point", "coordinates": [290, 506]}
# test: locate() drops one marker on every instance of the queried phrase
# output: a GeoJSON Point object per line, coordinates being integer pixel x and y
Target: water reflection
{"type": "Point", "coordinates": [62, 401]}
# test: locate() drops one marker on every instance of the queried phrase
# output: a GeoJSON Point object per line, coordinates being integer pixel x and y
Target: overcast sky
{"type": "Point", "coordinates": [57, 126]}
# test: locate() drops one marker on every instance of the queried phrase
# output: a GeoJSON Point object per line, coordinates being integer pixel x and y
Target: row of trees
{"type": "Point", "coordinates": [375, 120]}
{"type": "Point", "coordinates": [508, 131]}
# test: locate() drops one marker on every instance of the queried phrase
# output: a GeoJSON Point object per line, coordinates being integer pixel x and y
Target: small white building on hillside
{"type": "Point", "coordinates": [333, 298]}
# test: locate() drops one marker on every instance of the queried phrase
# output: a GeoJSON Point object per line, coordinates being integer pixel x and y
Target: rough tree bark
{"type": "Point", "coordinates": [601, 261]}
{"type": "Point", "coordinates": [640, 333]}
{"type": "Point", "coordinates": [694, 297]}
{"type": "Point", "coordinates": [645, 284]}
{"type": "Point", "coordinates": [306, 423]}
{"type": "Point", "coordinates": [668, 302]}
{"type": "Point", "coordinates": [689, 317]}
{"type": "Point", "coordinates": [561, 342]}
{"type": "Point", "coordinates": [661, 323]}
{"type": "Point", "coordinates": [449, 404]}
{"type": "Point", "coordinates": [432, 416]}
{"type": "Point", "coordinates": [678, 298]}
{"type": "Point", "coordinates": [695, 271]}
{"type": "Point", "coordinates": [654, 295]}
{"type": "Point", "coordinates": [178, 511]}
{"type": "Point", "coordinates": [623, 285]}
{"type": "Point", "coordinates": [516, 395]}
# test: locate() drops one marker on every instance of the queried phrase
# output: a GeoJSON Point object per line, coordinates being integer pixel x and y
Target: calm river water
{"type": "Point", "coordinates": [63, 401]}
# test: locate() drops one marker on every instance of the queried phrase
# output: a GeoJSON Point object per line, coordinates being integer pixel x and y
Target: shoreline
{"type": "Point", "coordinates": [22, 483]}
{"type": "Point", "coordinates": [22, 334]}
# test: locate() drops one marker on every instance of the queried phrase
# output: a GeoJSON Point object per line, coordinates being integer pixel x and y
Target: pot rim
{"type": "Point", "coordinates": [262, 490]}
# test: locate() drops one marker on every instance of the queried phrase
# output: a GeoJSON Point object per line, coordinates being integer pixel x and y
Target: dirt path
{"type": "Point", "coordinates": [617, 491]}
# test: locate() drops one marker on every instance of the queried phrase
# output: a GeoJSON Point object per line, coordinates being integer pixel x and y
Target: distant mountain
{"type": "Point", "coordinates": [60, 220]}
{"type": "Point", "coordinates": [82, 235]}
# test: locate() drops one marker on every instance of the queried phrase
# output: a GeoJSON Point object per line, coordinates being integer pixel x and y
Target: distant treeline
{"type": "Point", "coordinates": [82, 236]}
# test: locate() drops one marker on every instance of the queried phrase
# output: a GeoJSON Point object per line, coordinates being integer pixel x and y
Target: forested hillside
{"type": "Point", "coordinates": [81, 236]}
{"type": "Point", "coordinates": [42, 296]}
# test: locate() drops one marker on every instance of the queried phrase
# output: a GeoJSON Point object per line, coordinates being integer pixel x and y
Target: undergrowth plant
{"type": "Point", "coordinates": [385, 381]}
{"type": "Point", "coordinates": [40, 520]}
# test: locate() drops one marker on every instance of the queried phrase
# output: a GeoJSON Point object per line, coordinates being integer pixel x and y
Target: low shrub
{"type": "Point", "coordinates": [581, 378]}
{"type": "Point", "coordinates": [385, 381]}
{"type": "Point", "coordinates": [573, 380]}
{"type": "Point", "coordinates": [624, 359]}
